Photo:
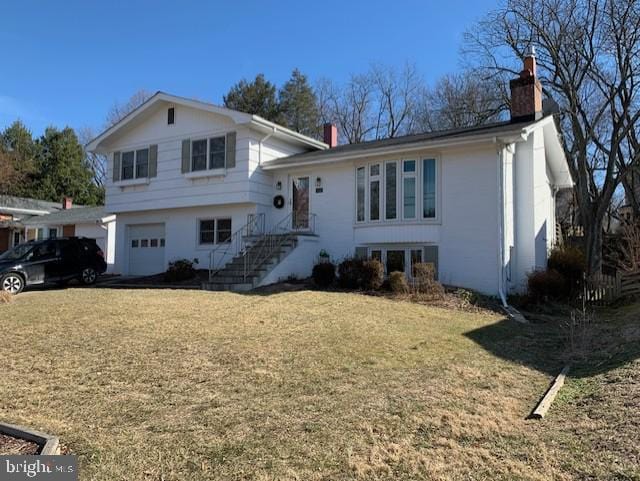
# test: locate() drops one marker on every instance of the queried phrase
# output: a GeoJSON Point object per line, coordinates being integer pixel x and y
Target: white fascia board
{"type": "Point", "coordinates": [399, 149]}
{"type": "Point", "coordinates": [239, 118]}
{"type": "Point", "coordinates": [283, 132]}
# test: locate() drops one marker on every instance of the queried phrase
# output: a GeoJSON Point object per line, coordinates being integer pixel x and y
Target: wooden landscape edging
{"type": "Point", "coordinates": [49, 445]}
{"type": "Point", "coordinates": [545, 403]}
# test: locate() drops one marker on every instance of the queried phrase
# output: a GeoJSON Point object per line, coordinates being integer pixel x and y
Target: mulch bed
{"type": "Point", "coordinates": [13, 446]}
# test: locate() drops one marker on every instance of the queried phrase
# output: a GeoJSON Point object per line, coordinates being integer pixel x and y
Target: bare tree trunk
{"type": "Point", "coordinates": [593, 246]}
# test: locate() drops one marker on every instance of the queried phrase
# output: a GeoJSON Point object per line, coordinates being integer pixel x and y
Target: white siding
{"type": "Point", "coordinates": [170, 188]}
{"type": "Point", "coordinates": [181, 231]}
{"type": "Point", "coordinates": [467, 233]}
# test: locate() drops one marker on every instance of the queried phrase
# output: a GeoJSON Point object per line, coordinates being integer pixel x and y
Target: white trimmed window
{"type": "Point", "coordinates": [397, 190]}
{"type": "Point", "coordinates": [213, 231]}
{"type": "Point", "coordinates": [402, 258]}
{"type": "Point", "coordinates": [135, 164]}
{"type": "Point", "coordinates": [213, 149]}
{"type": "Point", "coordinates": [375, 181]}
{"type": "Point", "coordinates": [409, 189]}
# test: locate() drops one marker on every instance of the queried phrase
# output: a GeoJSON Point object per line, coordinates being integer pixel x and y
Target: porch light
{"type": "Point", "coordinates": [279, 185]}
{"type": "Point", "coordinates": [318, 182]}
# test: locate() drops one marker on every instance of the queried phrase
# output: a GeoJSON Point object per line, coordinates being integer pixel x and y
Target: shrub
{"type": "Point", "coordinates": [324, 274]}
{"type": "Point", "coordinates": [424, 280]}
{"type": "Point", "coordinates": [372, 274]}
{"type": "Point", "coordinates": [570, 263]}
{"type": "Point", "coordinates": [549, 284]}
{"type": "Point", "coordinates": [180, 270]}
{"type": "Point", "coordinates": [350, 273]}
{"type": "Point", "coordinates": [398, 283]}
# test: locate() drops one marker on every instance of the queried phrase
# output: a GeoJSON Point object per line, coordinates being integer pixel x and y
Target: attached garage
{"type": "Point", "coordinates": [146, 249]}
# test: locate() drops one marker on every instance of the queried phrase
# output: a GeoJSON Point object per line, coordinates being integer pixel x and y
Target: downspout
{"type": "Point", "coordinates": [501, 280]}
{"type": "Point", "coordinates": [266, 137]}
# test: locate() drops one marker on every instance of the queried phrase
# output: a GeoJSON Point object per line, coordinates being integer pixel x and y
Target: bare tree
{"type": "Point", "coordinates": [381, 103]}
{"type": "Point", "coordinates": [588, 55]}
{"type": "Point", "coordinates": [120, 110]}
{"type": "Point", "coordinates": [397, 95]}
{"type": "Point", "coordinates": [96, 162]}
{"type": "Point", "coordinates": [461, 100]}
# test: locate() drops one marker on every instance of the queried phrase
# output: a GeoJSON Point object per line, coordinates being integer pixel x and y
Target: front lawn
{"type": "Point", "coordinates": [190, 385]}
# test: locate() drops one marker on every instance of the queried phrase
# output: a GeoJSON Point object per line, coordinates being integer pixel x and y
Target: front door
{"type": "Point", "coordinates": [300, 204]}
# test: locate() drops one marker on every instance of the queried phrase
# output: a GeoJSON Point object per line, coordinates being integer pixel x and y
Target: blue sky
{"type": "Point", "coordinates": [67, 62]}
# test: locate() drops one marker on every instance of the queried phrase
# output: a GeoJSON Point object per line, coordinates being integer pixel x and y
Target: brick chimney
{"type": "Point", "coordinates": [66, 203]}
{"type": "Point", "coordinates": [330, 135]}
{"type": "Point", "coordinates": [526, 91]}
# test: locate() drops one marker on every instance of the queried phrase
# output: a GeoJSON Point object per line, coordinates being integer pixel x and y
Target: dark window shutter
{"type": "Point", "coordinates": [431, 257]}
{"type": "Point", "coordinates": [186, 156]}
{"type": "Point", "coordinates": [361, 252]}
{"type": "Point", "coordinates": [153, 160]}
{"type": "Point", "coordinates": [231, 150]}
{"type": "Point", "coordinates": [116, 166]}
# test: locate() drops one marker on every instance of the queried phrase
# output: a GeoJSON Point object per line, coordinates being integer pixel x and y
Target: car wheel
{"type": "Point", "coordinates": [12, 283]}
{"type": "Point", "coordinates": [89, 276]}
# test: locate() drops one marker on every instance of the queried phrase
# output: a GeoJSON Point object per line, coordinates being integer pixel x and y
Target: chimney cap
{"type": "Point", "coordinates": [531, 51]}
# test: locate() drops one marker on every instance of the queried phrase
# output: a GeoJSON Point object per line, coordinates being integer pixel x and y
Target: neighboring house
{"type": "Point", "coordinates": [14, 211]}
{"type": "Point", "coordinates": [256, 202]}
{"type": "Point", "coordinates": [91, 222]}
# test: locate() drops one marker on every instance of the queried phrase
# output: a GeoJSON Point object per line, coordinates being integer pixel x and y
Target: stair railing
{"type": "Point", "coordinates": [236, 244]}
{"type": "Point", "coordinates": [264, 248]}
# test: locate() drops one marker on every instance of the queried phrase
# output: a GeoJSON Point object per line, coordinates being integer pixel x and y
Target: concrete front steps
{"type": "Point", "coordinates": [231, 277]}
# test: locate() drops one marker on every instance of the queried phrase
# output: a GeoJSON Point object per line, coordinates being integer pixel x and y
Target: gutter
{"type": "Point", "coordinates": [25, 211]}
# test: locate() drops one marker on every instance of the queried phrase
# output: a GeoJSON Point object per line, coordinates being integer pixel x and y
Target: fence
{"type": "Point", "coordinates": [603, 289]}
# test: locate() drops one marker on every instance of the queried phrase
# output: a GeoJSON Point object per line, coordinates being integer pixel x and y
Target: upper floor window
{"type": "Point", "coordinates": [171, 115]}
{"type": "Point", "coordinates": [396, 190]}
{"type": "Point", "coordinates": [199, 155]}
{"type": "Point", "coordinates": [135, 164]}
{"type": "Point", "coordinates": [360, 188]}
{"type": "Point", "coordinates": [214, 149]}
{"type": "Point", "coordinates": [429, 188]}
{"type": "Point", "coordinates": [409, 189]}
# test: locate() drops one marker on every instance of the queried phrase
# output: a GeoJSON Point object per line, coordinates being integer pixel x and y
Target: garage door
{"type": "Point", "coordinates": [146, 249]}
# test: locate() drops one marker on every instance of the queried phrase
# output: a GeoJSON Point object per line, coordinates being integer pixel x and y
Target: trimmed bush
{"type": "Point", "coordinates": [350, 273]}
{"type": "Point", "coordinates": [549, 284]}
{"type": "Point", "coordinates": [570, 262]}
{"type": "Point", "coordinates": [180, 270]}
{"type": "Point", "coordinates": [424, 280]}
{"type": "Point", "coordinates": [372, 274]}
{"type": "Point", "coordinates": [324, 274]}
{"type": "Point", "coordinates": [398, 283]}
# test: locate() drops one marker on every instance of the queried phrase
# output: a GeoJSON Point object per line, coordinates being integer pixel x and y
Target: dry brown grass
{"type": "Point", "coordinates": [5, 297]}
{"type": "Point", "coordinates": [178, 385]}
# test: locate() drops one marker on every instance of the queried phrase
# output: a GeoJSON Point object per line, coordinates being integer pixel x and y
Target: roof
{"type": "Point", "coordinates": [240, 118]}
{"type": "Point", "coordinates": [406, 141]}
{"type": "Point", "coordinates": [70, 216]}
{"type": "Point", "coordinates": [28, 205]}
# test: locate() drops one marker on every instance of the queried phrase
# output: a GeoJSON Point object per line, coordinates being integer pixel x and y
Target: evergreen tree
{"type": "Point", "coordinates": [18, 152]}
{"type": "Point", "coordinates": [299, 105]}
{"type": "Point", "coordinates": [62, 170]}
{"type": "Point", "coordinates": [257, 97]}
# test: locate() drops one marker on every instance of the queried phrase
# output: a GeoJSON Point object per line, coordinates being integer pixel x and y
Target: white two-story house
{"type": "Point", "coordinates": [255, 202]}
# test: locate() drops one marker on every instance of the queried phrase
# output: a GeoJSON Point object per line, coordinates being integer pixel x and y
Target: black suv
{"type": "Point", "coordinates": [51, 261]}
